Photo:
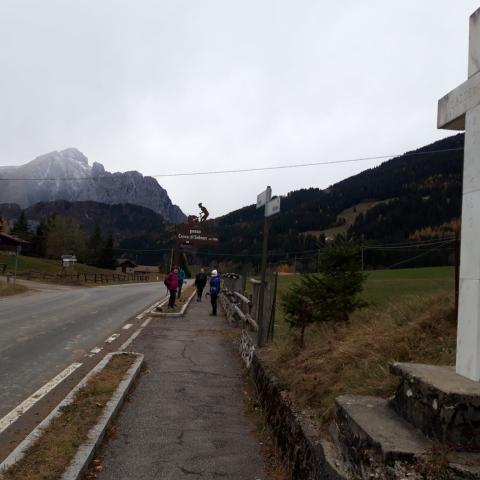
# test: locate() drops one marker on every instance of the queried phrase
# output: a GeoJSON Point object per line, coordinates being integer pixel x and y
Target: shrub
{"type": "Point", "coordinates": [329, 296]}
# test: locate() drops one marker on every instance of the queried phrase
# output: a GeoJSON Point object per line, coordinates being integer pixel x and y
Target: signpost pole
{"type": "Point", "coordinates": [272, 207]}
{"type": "Point", "coordinates": [262, 324]}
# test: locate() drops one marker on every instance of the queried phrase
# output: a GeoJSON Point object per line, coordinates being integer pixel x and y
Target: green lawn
{"type": "Point", "coordinates": [387, 286]}
{"type": "Point", "coordinates": [26, 264]}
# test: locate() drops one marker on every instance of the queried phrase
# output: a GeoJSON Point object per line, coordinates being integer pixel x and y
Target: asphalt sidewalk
{"type": "Point", "coordinates": [186, 416]}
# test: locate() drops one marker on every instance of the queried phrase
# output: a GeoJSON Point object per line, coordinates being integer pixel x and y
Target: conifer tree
{"type": "Point", "coordinates": [21, 229]}
{"type": "Point", "coordinates": [107, 256]}
{"type": "Point", "coordinates": [330, 296]}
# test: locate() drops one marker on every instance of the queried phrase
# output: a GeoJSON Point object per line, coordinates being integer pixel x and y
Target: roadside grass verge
{"type": "Point", "coordinates": [179, 304]}
{"type": "Point", "coordinates": [354, 358]}
{"type": "Point", "coordinates": [52, 453]}
{"type": "Point", "coordinates": [8, 289]}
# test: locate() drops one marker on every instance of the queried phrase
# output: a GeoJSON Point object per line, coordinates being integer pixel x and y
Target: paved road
{"type": "Point", "coordinates": [186, 418]}
{"type": "Point", "coordinates": [43, 333]}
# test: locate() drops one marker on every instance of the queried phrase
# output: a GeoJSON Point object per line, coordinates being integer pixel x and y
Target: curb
{"type": "Point", "coordinates": [85, 453]}
{"type": "Point", "coordinates": [181, 313]}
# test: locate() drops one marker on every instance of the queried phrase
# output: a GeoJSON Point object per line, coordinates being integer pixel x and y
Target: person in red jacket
{"type": "Point", "coordinates": [171, 282]}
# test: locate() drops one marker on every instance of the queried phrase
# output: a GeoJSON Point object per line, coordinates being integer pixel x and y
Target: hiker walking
{"type": "Point", "coordinates": [171, 282]}
{"type": "Point", "coordinates": [181, 279]}
{"type": "Point", "coordinates": [200, 282]}
{"type": "Point", "coordinates": [214, 290]}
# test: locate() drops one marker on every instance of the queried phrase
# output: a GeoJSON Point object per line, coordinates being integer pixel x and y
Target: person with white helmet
{"type": "Point", "coordinates": [214, 290]}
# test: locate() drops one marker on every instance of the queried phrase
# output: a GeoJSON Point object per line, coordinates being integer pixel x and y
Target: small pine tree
{"type": "Point", "coordinates": [330, 296]}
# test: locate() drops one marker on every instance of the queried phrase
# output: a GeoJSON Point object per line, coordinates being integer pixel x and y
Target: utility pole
{"type": "Point", "coordinates": [271, 208]}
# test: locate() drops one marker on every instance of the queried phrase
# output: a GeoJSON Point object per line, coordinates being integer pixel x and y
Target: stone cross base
{"type": "Point", "coordinates": [444, 405]}
{"type": "Point", "coordinates": [433, 417]}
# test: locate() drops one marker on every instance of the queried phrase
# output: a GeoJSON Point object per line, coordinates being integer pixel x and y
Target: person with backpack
{"type": "Point", "coordinates": [171, 282]}
{"type": "Point", "coordinates": [181, 279]}
{"type": "Point", "coordinates": [214, 290]}
{"type": "Point", "coordinates": [200, 282]}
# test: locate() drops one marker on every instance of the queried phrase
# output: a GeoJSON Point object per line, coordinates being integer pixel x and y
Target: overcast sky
{"type": "Point", "coordinates": [171, 86]}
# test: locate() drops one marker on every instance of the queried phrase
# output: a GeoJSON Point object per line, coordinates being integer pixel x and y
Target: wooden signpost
{"type": "Point", "coordinates": [272, 207]}
{"type": "Point", "coordinates": [197, 231]}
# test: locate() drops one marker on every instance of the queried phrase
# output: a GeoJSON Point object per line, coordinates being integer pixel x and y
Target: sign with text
{"type": "Point", "coordinates": [264, 197]}
{"type": "Point", "coordinates": [273, 207]}
{"type": "Point", "coordinates": [196, 234]}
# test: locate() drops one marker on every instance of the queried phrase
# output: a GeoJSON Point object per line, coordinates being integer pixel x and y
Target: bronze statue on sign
{"type": "Point", "coordinates": [203, 214]}
{"type": "Point", "coordinates": [201, 218]}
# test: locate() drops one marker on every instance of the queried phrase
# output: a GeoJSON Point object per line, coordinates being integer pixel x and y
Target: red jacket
{"type": "Point", "coordinates": [172, 281]}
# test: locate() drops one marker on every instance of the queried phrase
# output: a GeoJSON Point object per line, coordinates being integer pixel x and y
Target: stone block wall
{"type": "Point", "coordinates": [295, 435]}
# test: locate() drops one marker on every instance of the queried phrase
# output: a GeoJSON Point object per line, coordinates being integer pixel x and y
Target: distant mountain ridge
{"type": "Point", "coordinates": [78, 181]}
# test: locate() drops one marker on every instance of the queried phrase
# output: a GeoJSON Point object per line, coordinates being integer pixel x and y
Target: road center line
{"type": "Point", "coordinates": [18, 411]}
{"type": "Point", "coordinates": [112, 338]}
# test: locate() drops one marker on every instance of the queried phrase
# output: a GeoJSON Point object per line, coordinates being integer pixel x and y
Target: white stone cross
{"type": "Point", "coordinates": [460, 110]}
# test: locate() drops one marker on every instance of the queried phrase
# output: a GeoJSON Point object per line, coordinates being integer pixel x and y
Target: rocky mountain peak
{"type": "Point", "coordinates": [94, 184]}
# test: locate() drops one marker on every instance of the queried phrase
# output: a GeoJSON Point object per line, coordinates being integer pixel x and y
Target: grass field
{"type": "Point", "coordinates": [385, 286]}
{"type": "Point", "coordinates": [26, 264]}
{"type": "Point", "coordinates": [410, 318]}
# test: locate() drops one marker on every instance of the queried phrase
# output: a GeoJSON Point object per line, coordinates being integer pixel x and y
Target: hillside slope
{"type": "Point", "coordinates": [422, 191]}
{"type": "Point", "coordinates": [121, 220]}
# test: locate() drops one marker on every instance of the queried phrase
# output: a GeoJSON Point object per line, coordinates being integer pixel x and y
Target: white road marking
{"type": "Point", "coordinates": [131, 339]}
{"type": "Point", "coordinates": [146, 322]}
{"type": "Point", "coordinates": [139, 317]}
{"type": "Point", "coordinates": [18, 411]}
{"type": "Point", "coordinates": [112, 338]}
{"type": "Point", "coordinates": [96, 350]}
{"type": "Point", "coordinates": [127, 326]}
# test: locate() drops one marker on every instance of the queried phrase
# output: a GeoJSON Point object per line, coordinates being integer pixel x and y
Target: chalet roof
{"type": "Point", "coordinates": [125, 262]}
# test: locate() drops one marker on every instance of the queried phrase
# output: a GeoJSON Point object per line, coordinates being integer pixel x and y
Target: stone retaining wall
{"type": "Point", "coordinates": [294, 432]}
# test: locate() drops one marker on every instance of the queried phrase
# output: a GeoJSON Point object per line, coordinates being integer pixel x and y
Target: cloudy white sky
{"type": "Point", "coordinates": [165, 86]}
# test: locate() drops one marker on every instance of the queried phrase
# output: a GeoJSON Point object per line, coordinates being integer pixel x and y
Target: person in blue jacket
{"type": "Point", "coordinates": [214, 290]}
{"type": "Point", "coordinates": [181, 278]}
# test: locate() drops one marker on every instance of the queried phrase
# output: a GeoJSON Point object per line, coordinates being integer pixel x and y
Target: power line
{"type": "Point", "coordinates": [415, 242]}
{"type": "Point", "coordinates": [414, 258]}
{"type": "Point", "coordinates": [247, 170]}
{"type": "Point", "coordinates": [413, 245]}
{"type": "Point", "coordinates": [313, 252]}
